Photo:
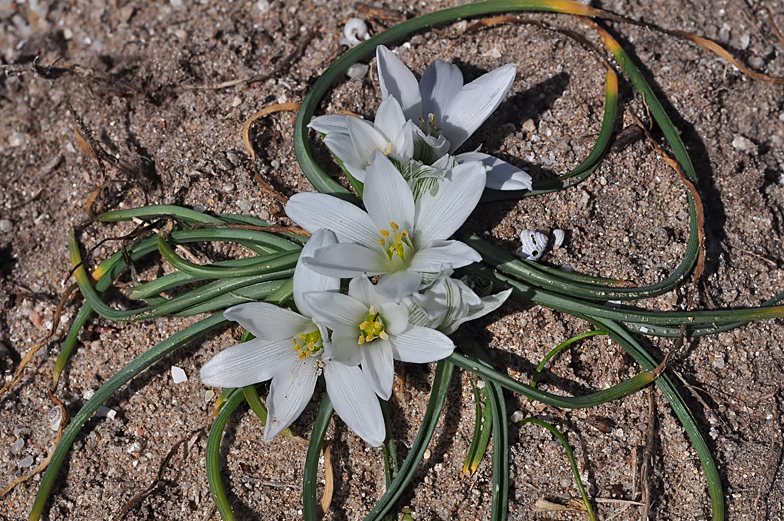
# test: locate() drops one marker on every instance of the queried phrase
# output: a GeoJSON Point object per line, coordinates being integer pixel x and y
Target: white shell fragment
{"type": "Point", "coordinates": [178, 375]}
{"type": "Point", "coordinates": [558, 235]}
{"type": "Point", "coordinates": [354, 32]}
{"type": "Point", "coordinates": [534, 244]}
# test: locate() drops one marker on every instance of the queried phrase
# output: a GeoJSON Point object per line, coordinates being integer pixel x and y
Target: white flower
{"type": "Point", "coordinates": [397, 238]}
{"type": "Point", "coordinates": [372, 330]}
{"type": "Point", "coordinates": [448, 303]}
{"type": "Point", "coordinates": [288, 349]}
{"type": "Point", "coordinates": [445, 108]}
{"type": "Point", "coordinates": [354, 140]}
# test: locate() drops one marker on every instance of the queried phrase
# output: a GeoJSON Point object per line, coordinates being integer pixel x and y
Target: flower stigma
{"type": "Point", "coordinates": [372, 328]}
{"type": "Point", "coordinates": [306, 344]}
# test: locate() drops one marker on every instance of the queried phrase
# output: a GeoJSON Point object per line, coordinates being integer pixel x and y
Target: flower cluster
{"type": "Point", "coordinates": [397, 253]}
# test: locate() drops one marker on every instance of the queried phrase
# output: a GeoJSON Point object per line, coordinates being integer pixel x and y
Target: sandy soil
{"type": "Point", "coordinates": [146, 90]}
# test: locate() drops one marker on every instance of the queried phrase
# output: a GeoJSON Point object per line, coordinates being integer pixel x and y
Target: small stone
{"type": "Point", "coordinates": [6, 225]}
{"type": "Point", "coordinates": [26, 462]}
{"type": "Point", "coordinates": [744, 144]}
{"type": "Point", "coordinates": [17, 446]}
{"type": "Point", "coordinates": [517, 416]}
{"type": "Point", "coordinates": [757, 62]}
{"type": "Point", "coordinates": [125, 13]}
{"type": "Point", "coordinates": [16, 139]}
{"type": "Point", "coordinates": [245, 205]}
{"type": "Point", "coordinates": [263, 6]}
{"type": "Point", "coordinates": [357, 71]}
{"type": "Point", "coordinates": [529, 126]}
{"type": "Point", "coordinates": [744, 41]}
{"type": "Point", "coordinates": [105, 412]}
{"type": "Point", "coordinates": [182, 34]}
{"type": "Point", "coordinates": [275, 164]}
{"type": "Point", "coordinates": [209, 395]}
{"type": "Point", "coordinates": [236, 102]}
{"type": "Point", "coordinates": [178, 375]}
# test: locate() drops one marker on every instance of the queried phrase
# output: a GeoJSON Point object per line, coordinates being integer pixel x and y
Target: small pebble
{"type": "Point", "coordinates": [245, 205]}
{"type": "Point", "coordinates": [17, 446]}
{"type": "Point", "coordinates": [105, 412]}
{"type": "Point", "coordinates": [26, 462]}
{"type": "Point", "coordinates": [178, 375]}
{"type": "Point", "coordinates": [529, 126]}
{"type": "Point", "coordinates": [6, 225]}
{"type": "Point", "coordinates": [275, 164]}
{"type": "Point", "coordinates": [357, 71]}
{"type": "Point", "coordinates": [263, 6]}
{"type": "Point", "coordinates": [209, 395]}
{"type": "Point", "coordinates": [744, 144]}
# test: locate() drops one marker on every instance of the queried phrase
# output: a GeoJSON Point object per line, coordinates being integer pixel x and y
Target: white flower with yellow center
{"type": "Point", "coordinates": [446, 109]}
{"type": "Point", "coordinates": [289, 350]}
{"type": "Point", "coordinates": [448, 303]}
{"type": "Point", "coordinates": [354, 140]}
{"type": "Point", "coordinates": [373, 331]}
{"type": "Point", "coordinates": [397, 238]}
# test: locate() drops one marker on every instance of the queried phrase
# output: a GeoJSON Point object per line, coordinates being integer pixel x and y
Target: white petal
{"type": "Point", "coordinates": [335, 310]}
{"type": "Point", "coordinates": [315, 211]}
{"type": "Point", "coordinates": [267, 321]}
{"type": "Point", "coordinates": [429, 148]}
{"type": "Point", "coordinates": [398, 81]}
{"type": "Point", "coordinates": [474, 104]}
{"type": "Point", "coordinates": [344, 349]}
{"type": "Point", "coordinates": [489, 304]}
{"type": "Point", "coordinates": [394, 316]}
{"type": "Point", "coordinates": [365, 138]}
{"type": "Point", "coordinates": [379, 366]}
{"type": "Point", "coordinates": [403, 143]}
{"type": "Point", "coordinates": [421, 345]}
{"type": "Point", "coordinates": [343, 147]}
{"type": "Point", "coordinates": [346, 260]}
{"type": "Point", "coordinates": [360, 410]}
{"type": "Point", "coordinates": [440, 215]}
{"type": "Point", "coordinates": [387, 196]}
{"type": "Point", "coordinates": [305, 279]}
{"type": "Point", "coordinates": [247, 363]}
{"type": "Point", "coordinates": [441, 82]}
{"type": "Point", "coordinates": [363, 290]}
{"type": "Point", "coordinates": [397, 286]}
{"type": "Point", "coordinates": [290, 392]}
{"type": "Point", "coordinates": [502, 176]}
{"type": "Point", "coordinates": [389, 118]}
{"type": "Point", "coordinates": [332, 123]}
{"type": "Point", "coordinates": [444, 254]}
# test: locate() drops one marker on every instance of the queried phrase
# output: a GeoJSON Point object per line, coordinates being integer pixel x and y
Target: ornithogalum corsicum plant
{"type": "Point", "coordinates": [383, 278]}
